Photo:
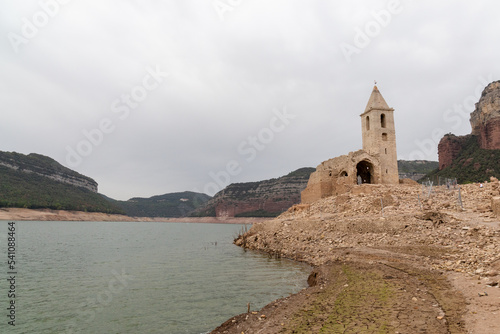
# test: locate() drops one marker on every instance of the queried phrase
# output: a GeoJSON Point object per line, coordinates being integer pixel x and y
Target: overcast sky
{"type": "Point", "coordinates": [151, 97]}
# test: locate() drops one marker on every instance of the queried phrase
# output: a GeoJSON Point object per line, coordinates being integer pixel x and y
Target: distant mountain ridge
{"type": "Point", "coordinates": [416, 169]}
{"type": "Point", "coordinates": [168, 205]}
{"type": "Point", "coordinates": [266, 198]}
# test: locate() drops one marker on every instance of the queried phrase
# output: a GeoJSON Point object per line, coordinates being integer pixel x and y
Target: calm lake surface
{"type": "Point", "coordinates": [102, 277]}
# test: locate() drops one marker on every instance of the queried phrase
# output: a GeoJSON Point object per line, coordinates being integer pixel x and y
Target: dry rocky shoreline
{"type": "Point", "coordinates": [17, 214]}
{"type": "Point", "coordinates": [388, 259]}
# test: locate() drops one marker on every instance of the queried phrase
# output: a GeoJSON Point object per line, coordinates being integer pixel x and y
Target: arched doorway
{"type": "Point", "coordinates": [364, 172]}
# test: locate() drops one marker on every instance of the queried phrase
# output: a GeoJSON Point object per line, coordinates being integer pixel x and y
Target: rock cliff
{"type": "Point", "coordinates": [258, 199]}
{"type": "Point", "coordinates": [485, 123]}
{"type": "Point", "coordinates": [485, 119]}
{"type": "Point", "coordinates": [449, 149]}
{"type": "Point", "coordinates": [46, 167]}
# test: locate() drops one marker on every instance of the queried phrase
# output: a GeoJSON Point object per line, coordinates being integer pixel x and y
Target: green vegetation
{"type": "Point", "coordinates": [28, 190]}
{"type": "Point", "coordinates": [283, 189]}
{"type": "Point", "coordinates": [358, 302]}
{"type": "Point", "coordinates": [473, 164]}
{"type": "Point", "coordinates": [168, 205]}
{"type": "Point", "coordinates": [40, 164]}
{"type": "Point", "coordinates": [417, 166]}
{"type": "Point", "coordinates": [258, 213]}
{"type": "Point", "coordinates": [304, 172]}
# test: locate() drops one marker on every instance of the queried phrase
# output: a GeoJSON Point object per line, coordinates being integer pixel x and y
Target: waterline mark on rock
{"type": "Point", "coordinates": [122, 107]}
{"type": "Point", "coordinates": [372, 29]}
{"type": "Point", "coordinates": [39, 20]}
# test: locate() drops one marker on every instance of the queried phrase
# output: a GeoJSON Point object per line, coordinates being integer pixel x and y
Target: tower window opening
{"type": "Point", "coordinates": [386, 151]}
{"type": "Point", "coordinates": [368, 123]}
{"type": "Point", "coordinates": [386, 171]}
{"type": "Point", "coordinates": [382, 120]}
{"type": "Point", "coordinates": [384, 136]}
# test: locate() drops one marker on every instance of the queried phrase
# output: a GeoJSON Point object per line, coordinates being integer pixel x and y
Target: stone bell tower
{"type": "Point", "coordinates": [379, 137]}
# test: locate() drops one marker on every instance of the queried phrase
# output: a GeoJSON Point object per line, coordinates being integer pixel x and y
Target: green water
{"type": "Point", "coordinates": [96, 277]}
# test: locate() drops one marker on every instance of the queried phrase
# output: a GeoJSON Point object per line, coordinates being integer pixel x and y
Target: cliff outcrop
{"type": "Point", "coordinates": [46, 167]}
{"type": "Point", "coordinates": [258, 199]}
{"type": "Point", "coordinates": [479, 151]}
{"type": "Point", "coordinates": [485, 119]}
{"type": "Point", "coordinates": [449, 149]}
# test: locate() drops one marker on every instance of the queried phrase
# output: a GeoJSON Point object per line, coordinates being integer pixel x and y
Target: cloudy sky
{"type": "Point", "coordinates": [150, 97]}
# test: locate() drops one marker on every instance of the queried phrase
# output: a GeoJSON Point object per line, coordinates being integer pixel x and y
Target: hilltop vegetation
{"type": "Point", "coordinates": [417, 166]}
{"type": "Point", "coordinates": [266, 198]}
{"type": "Point", "coordinates": [473, 164]}
{"type": "Point", "coordinates": [29, 190]}
{"type": "Point", "coordinates": [168, 205]}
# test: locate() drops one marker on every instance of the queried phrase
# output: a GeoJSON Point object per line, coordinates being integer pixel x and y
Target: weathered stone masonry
{"type": "Point", "coordinates": [375, 163]}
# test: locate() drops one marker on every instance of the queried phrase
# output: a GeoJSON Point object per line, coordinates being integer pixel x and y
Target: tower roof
{"type": "Point", "coordinates": [376, 101]}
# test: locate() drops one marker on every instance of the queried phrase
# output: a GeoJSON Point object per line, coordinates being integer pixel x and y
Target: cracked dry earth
{"type": "Point", "coordinates": [423, 267]}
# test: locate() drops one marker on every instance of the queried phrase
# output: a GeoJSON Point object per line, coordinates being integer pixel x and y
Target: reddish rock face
{"type": "Point", "coordinates": [489, 137]}
{"type": "Point", "coordinates": [449, 148]}
{"type": "Point", "coordinates": [485, 123]}
{"type": "Point", "coordinates": [485, 119]}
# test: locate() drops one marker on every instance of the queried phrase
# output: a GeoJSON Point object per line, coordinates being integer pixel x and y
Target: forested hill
{"type": "Point", "coordinates": [168, 205]}
{"type": "Point", "coordinates": [35, 181]}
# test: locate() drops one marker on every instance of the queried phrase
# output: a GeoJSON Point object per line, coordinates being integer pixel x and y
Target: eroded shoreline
{"type": "Point", "coordinates": [17, 214]}
{"type": "Point", "coordinates": [432, 266]}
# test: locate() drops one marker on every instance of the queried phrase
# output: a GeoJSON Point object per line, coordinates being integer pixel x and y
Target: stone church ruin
{"type": "Point", "coordinates": [376, 163]}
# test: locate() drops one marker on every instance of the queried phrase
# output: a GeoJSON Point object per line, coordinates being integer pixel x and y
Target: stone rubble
{"type": "Point", "coordinates": [434, 229]}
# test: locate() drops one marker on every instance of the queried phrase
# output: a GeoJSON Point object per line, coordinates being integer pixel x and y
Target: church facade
{"type": "Point", "coordinates": [376, 163]}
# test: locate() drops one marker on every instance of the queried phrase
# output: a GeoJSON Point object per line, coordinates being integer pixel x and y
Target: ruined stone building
{"type": "Point", "coordinates": [375, 163]}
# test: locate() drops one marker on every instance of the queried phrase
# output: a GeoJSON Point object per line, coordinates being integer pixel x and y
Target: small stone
{"type": "Point", "coordinates": [414, 299]}
{"type": "Point", "coordinates": [441, 317]}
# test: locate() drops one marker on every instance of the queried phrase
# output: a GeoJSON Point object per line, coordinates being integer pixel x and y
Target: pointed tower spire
{"type": "Point", "coordinates": [376, 101]}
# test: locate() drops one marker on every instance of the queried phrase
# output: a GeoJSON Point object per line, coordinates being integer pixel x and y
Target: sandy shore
{"type": "Point", "coordinates": [17, 214]}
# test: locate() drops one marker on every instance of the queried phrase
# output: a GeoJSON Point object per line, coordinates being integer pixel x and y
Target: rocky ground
{"type": "Point", "coordinates": [425, 263]}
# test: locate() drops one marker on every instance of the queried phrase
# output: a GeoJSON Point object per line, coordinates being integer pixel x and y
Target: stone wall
{"type": "Point", "coordinates": [338, 175]}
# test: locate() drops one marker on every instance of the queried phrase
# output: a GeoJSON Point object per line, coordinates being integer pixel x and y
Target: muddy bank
{"type": "Point", "coordinates": [17, 214]}
{"type": "Point", "coordinates": [356, 297]}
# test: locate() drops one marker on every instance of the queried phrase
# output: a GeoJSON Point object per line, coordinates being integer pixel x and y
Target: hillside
{"type": "Point", "coordinates": [470, 163]}
{"type": "Point", "coordinates": [474, 157]}
{"type": "Point", "coordinates": [46, 167]}
{"type": "Point", "coordinates": [168, 205]}
{"type": "Point", "coordinates": [266, 198]}
{"type": "Point", "coordinates": [35, 181]}
{"type": "Point", "coordinates": [416, 169]}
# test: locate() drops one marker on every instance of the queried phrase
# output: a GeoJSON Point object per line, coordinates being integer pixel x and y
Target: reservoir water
{"type": "Point", "coordinates": [169, 278]}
